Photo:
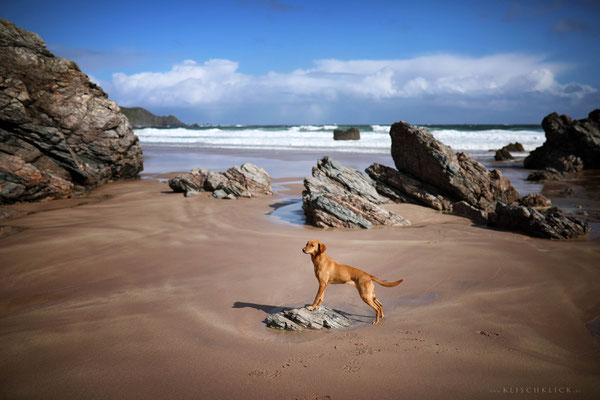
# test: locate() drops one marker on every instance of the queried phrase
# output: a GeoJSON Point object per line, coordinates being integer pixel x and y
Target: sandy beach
{"type": "Point", "coordinates": [138, 292]}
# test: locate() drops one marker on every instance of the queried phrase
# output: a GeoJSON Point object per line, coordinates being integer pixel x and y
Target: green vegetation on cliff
{"type": "Point", "coordinates": [142, 118]}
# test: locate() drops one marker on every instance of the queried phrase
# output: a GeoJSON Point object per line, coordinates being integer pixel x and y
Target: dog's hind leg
{"type": "Point", "coordinates": [367, 294]}
{"type": "Point", "coordinates": [380, 306]}
{"type": "Point", "coordinates": [374, 306]}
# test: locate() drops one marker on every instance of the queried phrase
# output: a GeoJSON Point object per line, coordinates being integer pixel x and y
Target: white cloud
{"type": "Point", "coordinates": [464, 79]}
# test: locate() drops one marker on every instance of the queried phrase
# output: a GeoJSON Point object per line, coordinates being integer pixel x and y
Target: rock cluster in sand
{"type": "Point", "coordinates": [339, 197]}
{"type": "Point", "coordinates": [248, 180]}
{"type": "Point", "coordinates": [59, 132]}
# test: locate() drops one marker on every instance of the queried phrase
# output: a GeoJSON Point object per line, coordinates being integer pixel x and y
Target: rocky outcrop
{"type": "Point", "coordinates": [571, 145]}
{"type": "Point", "coordinates": [249, 180]}
{"type": "Point", "coordinates": [549, 224]}
{"type": "Point", "coordinates": [142, 118]}
{"type": "Point", "coordinates": [348, 134]}
{"type": "Point", "coordinates": [339, 197]}
{"type": "Point", "coordinates": [403, 188]}
{"type": "Point", "coordinates": [456, 176]}
{"type": "Point", "coordinates": [299, 319]}
{"type": "Point", "coordinates": [430, 173]}
{"type": "Point", "coordinates": [59, 133]}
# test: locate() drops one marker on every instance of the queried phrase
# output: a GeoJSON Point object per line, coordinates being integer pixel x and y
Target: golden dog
{"type": "Point", "coordinates": [327, 271]}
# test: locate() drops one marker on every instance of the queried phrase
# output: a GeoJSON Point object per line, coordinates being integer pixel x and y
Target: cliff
{"type": "Point", "coordinates": [142, 118]}
{"type": "Point", "coordinates": [59, 132]}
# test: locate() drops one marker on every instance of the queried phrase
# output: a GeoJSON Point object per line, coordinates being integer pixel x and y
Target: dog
{"type": "Point", "coordinates": [327, 271]}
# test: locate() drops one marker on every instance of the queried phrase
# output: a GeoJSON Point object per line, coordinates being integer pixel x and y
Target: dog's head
{"type": "Point", "coordinates": [314, 247]}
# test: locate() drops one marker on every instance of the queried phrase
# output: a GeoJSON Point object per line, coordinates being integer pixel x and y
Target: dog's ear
{"type": "Point", "coordinates": [322, 247]}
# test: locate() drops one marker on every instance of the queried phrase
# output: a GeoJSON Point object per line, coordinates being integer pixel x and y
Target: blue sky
{"type": "Point", "coordinates": [288, 61]}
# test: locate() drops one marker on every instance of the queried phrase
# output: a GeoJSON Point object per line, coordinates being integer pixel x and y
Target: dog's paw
{"type": "Point", "coordinates": [312, 308]}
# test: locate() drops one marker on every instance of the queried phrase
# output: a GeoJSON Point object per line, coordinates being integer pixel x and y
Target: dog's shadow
{"type": "Point", "coordinates": [262, 307]}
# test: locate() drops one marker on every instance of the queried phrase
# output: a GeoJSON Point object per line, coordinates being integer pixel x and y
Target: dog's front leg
{"type": "Point", "coordinates": [318, 298]}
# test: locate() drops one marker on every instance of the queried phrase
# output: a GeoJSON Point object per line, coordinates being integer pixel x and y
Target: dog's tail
{"type": "Point", "coordinates": [387, 284]}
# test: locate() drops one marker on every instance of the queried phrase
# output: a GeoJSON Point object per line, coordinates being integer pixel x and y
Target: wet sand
{"type": "Point", "coordinates": [136, 292]}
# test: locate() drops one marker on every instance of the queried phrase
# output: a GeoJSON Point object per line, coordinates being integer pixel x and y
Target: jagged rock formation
{"type": "Point", "coordinates": [142, 118]}
{"type": "Point", "coordinates": [299, 319]}
{"type": "Point", "coordinates": [431, 174]}
{"type": "Point", "coordinates": [59, 133]}
{"type": "Point", "coordinates": [504, 153]}
{"type": "Point", "coordinates": [348, 134]}
{"type": "Point", "coordinates": [249, 180]}
{"type": "Point", "coordinates": [550, 224]}
{"type": "Point", "coordinates": [337, 196]}
{"type": "Point", "coordinates": [571, 145]}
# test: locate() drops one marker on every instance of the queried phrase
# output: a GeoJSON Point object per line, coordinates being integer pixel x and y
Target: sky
{"type": "Point", "coordinates": [345, 62]}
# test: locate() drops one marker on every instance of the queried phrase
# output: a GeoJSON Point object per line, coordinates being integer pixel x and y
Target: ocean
{"type": "Point", "coordinates": [474, 139]}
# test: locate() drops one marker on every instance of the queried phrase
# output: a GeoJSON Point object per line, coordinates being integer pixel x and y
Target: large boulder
{"type": "Point", "coordinates": [348, 134]}
{"type": "Point", "coordinates": [457, 176]}
{"type": "Point", "coordinates": [431, 174]}
{"type": "Point", "coordinates": [248, 180]}
{"type": "Point", "coordinates": [339, 197]}
{"type": "Point", "coordinates": [59, 132]}
{"type": "Point", "coordinates": [571, 145]}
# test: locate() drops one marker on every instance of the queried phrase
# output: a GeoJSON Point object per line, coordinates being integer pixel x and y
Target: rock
{"type": "Point", "coordinates": [190, 181]}
{"type": "Point", "coordinates": [299, 319]}
{"type": "Point", "coordinates": [348, 134]}
{"type": "Point", "coordinates": [503, 155]}
{"type": "Point", "coordinates": [535, 200]}
{"type": "Point", "coordinates": [515, 147]}
{"type": "Point", "coordinates": [571, 145]}
{"type": "Point", "coordinates": [59, 132]}
{"type": "Point", "coordinates": [191, 193]}
{"type": "Point", "coordinates": [464, 209]}
{"type": "Point", "coordinates": [456, 176]}
{"type": "Point", "coordinates": [549, 224]}
{"type": "Point", "coordinates": [548, 174]}
{"type": "Point", "coordinates": [336, 196]}
{"type": "Point", "coordinates": [219, 194]}
{"type": "Point", "coordinates": [403, 188]}
{"type": "Point", "coordinates": [141, 118]}
{"type": "Point", "coordinates": [249, 180]}
{"type": "Point", "coordinates": [431, 174]}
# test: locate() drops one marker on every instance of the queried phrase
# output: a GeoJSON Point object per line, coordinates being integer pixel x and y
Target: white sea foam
{"type": "Point", "coordinates": [374, 138]}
